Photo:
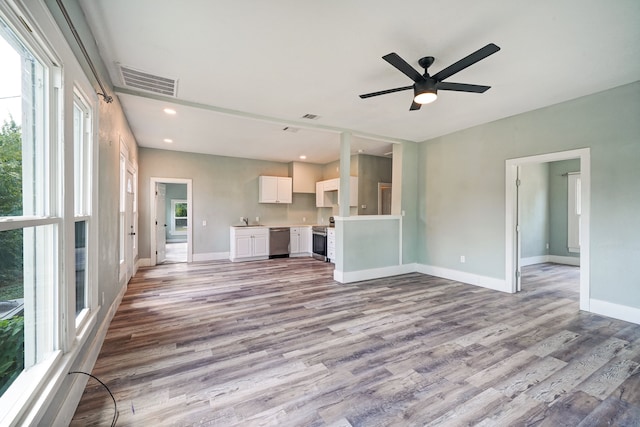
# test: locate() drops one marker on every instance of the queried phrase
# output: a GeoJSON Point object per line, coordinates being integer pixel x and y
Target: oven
{"type": "Point", "coordinates": [319, 235]}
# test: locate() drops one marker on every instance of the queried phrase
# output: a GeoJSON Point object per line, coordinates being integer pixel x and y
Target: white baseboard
{"type": "Point", "coordinates": [210, 256]}
{"type": "Point", "coordinates": [464, 277]}
{"type": "Point", "coordinates": [567, 260]}
{"type": "Point", "coordinates": [534, 260]}
{"type": "Point", "coordinates": [68, 407]}
{"type": "Point", "coordinates": [617, 311]}
{"type": "Point", "coordinates": [557, 259]}
{"type": "Point", "coordinates": [374, 273]}
{"type": "Point", "coordinates": [143, 262]}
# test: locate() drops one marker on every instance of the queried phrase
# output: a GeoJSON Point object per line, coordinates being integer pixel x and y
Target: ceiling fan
{"type": "Point", "coordinates": [425, 87]}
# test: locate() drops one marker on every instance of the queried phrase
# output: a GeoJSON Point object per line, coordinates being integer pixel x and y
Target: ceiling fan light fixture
{"type": "Point", "coordinates": [425, 92]}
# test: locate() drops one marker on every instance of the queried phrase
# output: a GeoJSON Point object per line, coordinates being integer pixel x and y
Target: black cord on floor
{"type": "Point", "coordinates": [115, 407]}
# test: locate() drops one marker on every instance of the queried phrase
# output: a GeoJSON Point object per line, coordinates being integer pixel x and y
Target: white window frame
{"type": "Point", "coordinates": [44, 222]}
{"type": "Point", "coordinates": [85, 205]}
{"type": "Point", "coordinates": [174, 202]}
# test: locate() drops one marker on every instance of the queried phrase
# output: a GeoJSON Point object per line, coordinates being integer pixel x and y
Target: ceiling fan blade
{"type": "Point", "coordinates": [462, 87]}
{"type": "Point", "coordinates": [415, 106]}
{"type": "Point", "coordinates": [384, 92]}
{"type": "Point", "coordinates": [467, 61]}
{"type": "Point", "coordinates": [395, 60]}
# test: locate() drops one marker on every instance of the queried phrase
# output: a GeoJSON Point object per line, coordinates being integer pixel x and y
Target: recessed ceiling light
{"type": "Point", "coordinates": [170, 111]}
{"type": "Point", "coordinates": [168, 141]}
{"type": "Point", "coordinates": [303, 157]}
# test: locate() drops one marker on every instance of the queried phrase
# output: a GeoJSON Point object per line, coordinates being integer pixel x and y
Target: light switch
{"type": "Point", "coordinates": [204, 222]}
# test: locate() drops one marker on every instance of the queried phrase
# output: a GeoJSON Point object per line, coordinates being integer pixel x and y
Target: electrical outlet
{"type": "Point", "coordinates": [547, 245]}
{"type": "Point", "coordinates": [364, 206]}
{"type": "Point", "coordinates": [463, 259]}
{"type": "Point", "coordinates": [304, 219]}
{"type": "Point", "coordinates": [257, 219]}
{"type": "Point", "coordinates": [103, 298]}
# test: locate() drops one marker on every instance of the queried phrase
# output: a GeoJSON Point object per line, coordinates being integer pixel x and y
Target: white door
{"type": "Point", "coordinates": [130, 233]}
{"type": "Point", "coordinates": [161, 223]}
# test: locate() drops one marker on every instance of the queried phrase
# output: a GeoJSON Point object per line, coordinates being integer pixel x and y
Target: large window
{"type": "Point", "coordinates": [82, 155]}
{"type": "Point", "coordinates": [29, 220]}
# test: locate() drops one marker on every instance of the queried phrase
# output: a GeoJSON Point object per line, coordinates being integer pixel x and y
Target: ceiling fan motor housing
{"type": "Point", "coordinates": [427, 85]}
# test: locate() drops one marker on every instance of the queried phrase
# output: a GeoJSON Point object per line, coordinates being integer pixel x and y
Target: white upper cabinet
{"type": "Point", "coordinates": [274, 189]}
{"type": "Point", "coordinates": [328, 192]}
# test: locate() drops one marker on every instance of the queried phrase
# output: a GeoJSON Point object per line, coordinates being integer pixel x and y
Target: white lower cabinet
{"type": "Point", "coordinates": [331, 244]}
{"type": "Point", "coordinates": [300, 243]}
{"type": "Point", "coordinates": [249, 243]}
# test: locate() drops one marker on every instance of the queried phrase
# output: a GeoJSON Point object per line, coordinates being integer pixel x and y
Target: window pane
{"type": "Point", "coordinates": [81, 266]}
{"type": "Point", "coordinates": [78, 153]}
{"type": "Point", "coordinates": [23, 165]}
{"type": "Point", "coordinates": [181, 225]}
{"type": "Point", "coordinates": [11, 307]}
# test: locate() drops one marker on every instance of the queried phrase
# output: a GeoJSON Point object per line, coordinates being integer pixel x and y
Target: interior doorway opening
{"type": "Point", "coordinates": [171, 220]}
{"type": "Point", "coordinates": [514, 212]}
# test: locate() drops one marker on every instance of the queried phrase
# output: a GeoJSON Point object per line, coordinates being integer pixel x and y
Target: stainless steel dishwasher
{"type": "Point", "coordinates": [279, 242]}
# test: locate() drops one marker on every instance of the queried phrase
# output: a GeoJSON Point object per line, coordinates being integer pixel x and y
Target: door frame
{"type": "Point", "coordinates": [152, 214]}
{"type": "Point", "coordinates": [511, 217]}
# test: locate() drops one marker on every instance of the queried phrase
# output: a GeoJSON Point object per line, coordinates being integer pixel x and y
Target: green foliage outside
{"type": "Point", "coordinates": [10, 205]}
{"type": "Point", "coordinates": [181, 210]}
{"type": "Point", "coordinates": [11, 253]}
{"type": "Point", "coordinates": [11, 350]}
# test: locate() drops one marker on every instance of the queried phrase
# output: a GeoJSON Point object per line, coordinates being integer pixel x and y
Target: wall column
{"type": "Point", "coordinates": [345, 173]}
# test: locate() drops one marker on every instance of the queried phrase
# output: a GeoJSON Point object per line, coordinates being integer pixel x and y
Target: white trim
{"type": "Point", "coordinates": [532, 260]}
{"type": "Point", "coordinates": [68, 406]}
{"type": "Point", "coordinates": [152, 214]}
{"type": "Point", "coordinates": [617, 311]}
{"type": "Point", "coordinates": [143, 262]}
{"type": "Point", "coordinates": [373, 273]}
{"type": "Point", "coordinates": [566, 260]}
{"type": "Point", "coordinates": [211, 256]}
{"type": "Point", "coordinates": [464, 277]}
{"type": "Point", "coordinates": [556, 259]}
{"type": "Point", "coordinates": [511, 166]}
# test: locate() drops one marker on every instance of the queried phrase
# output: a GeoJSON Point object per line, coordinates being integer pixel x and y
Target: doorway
{"type": "Point", "coordinates": [171, 220]}
{"type": "Point", "coordinates": [513, 241]}
{"type": "Point", "coordinates": [384, 198]}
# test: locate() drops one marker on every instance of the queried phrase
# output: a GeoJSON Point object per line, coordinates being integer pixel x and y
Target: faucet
{"type": "Point", "coordinates": [246, 220]}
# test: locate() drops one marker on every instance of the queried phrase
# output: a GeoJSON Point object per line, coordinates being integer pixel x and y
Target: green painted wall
{"type": "Point", "coordinates": [533, 195]}
{"type": "Point", "coordinates": [462, 190]}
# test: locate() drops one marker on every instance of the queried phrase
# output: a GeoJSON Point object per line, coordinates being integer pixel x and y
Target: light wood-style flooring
{"type": "Point", "coordinates": [279, 343]}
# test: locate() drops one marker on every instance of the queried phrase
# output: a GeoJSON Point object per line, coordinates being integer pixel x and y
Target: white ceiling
{"type": "Point", "coordinates": [247, 69]}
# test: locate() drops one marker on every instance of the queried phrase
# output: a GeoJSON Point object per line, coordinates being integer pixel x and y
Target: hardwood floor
{"type": "Point", "coordinates": [280, 343]}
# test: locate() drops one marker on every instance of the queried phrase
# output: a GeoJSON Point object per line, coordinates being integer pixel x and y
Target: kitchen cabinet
{"type": "Point", "coordinates": [249, 243]}
{"type": "Point", "coordinates": [274, 189]}
{"type": "Point", "coordinates": [300, 241]}
{"type": "Point", "coordinates": [331, 244]}
{"type": "Point", "coordinates": [328, 192]}
{"type": "Point", "coordinates": [320, 201]}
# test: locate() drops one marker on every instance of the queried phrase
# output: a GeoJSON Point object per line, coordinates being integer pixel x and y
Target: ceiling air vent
{"type": "Point", "coordinates": [290, 129]}
{"type": "Point", "coordinates": [311, 116]}
{"type": "Point", "coordinates": [141, 80]}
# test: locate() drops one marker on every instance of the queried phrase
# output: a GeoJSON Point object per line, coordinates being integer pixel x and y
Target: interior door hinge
{"type": "Point", "coordinates": [518, 182]}
{"type": "Point", "coordinates": [517, 274]}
